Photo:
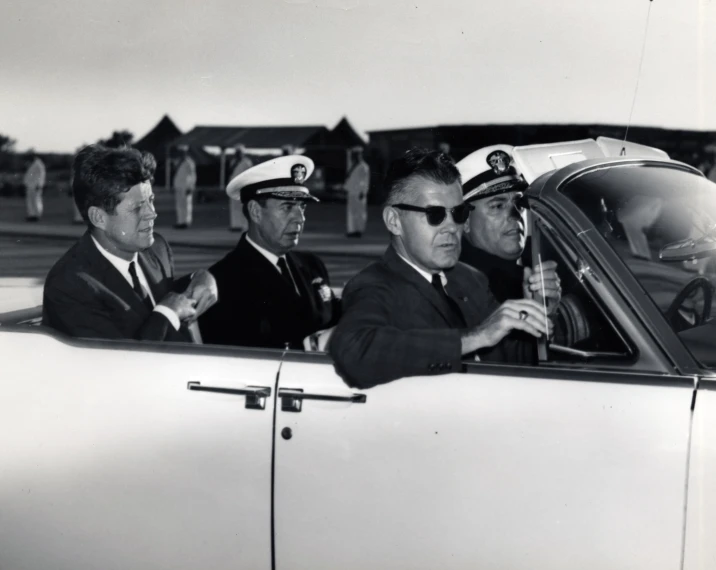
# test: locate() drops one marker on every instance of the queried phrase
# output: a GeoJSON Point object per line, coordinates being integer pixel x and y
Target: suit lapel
{"type": "Point", "coordinates": [110, 277]}
{"type": "Point", "coordinates": [153, 272]}
{"type": "Point", "coordinates": [304, 286]}
{"type": "Point", "coordinates": [457, 291]}
{"type": "Point", "coordinates": [396, 263]}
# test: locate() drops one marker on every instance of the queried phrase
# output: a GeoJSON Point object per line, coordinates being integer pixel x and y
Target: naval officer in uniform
{"type": "Point", "coordinates": [271, 295]}
{"type": "Point", "coordinates": [184, 186]}
{"type": "Point", "coordinates": [356, 186]}
{"type": "Point", "coordinates": [237, 220]}
{"type": "Point", "coordinates": [34, 182]}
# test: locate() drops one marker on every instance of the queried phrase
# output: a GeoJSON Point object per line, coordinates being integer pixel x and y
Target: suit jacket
{"type": "Point", "coordinates": [258, 307]}
{"type": "Point", "coordinates": [395, 324]}
{"type": "Point", "coordinates": [86, 296]}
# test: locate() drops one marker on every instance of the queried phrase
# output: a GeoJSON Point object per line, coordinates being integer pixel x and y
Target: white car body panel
{"type": "Point", "coordinates": [629, 149]}
{"type": "Point", "coordinates": [700, 552]}
{"type": "Point", "coordinates": [481, 471]}
{"type": "Point", "coordinates": [112, 462]}
{"type": "Point", "coordinates": [534, 160]}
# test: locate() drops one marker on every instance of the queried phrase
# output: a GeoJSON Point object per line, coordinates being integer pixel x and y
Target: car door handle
{"type": "Point", "coordinates": [292, 398]}
{"type": "Point", "coordinates": [255, 395]}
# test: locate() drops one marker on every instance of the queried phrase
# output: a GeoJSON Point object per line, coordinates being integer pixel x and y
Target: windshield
{"type": "Point", "coordinates": [656, 219]}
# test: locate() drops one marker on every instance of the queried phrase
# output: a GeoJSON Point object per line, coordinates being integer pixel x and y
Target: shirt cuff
{"type": "Point", "coordinates": [169, 314]}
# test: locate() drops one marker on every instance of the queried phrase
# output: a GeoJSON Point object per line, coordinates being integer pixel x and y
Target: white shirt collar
{"type": "Point", "coordinates": [428, 276]}
{"type": "Point", "coordinates": [121, 264]}
{"type": "Point", "coordinates": [272, 257]}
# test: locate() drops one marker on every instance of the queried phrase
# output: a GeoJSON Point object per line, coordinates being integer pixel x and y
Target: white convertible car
{"type": "Point", "coordinates": [118, 455]}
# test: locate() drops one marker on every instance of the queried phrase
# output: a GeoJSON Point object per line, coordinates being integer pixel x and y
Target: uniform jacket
{"type": "Point", "coordinates": [35, 175]}
{"type": "Point", "coordinates": [85, 295]}
{"type": "Point", "coordinates": [504, 275]}
{"type": "Point", "coordinates": [395, 324]}
{"type": "Point", "coordinates": [258, 307]}
{"type": "Point", "coordinates": [356, 186]}
{"type": "Point", "coordinates": [185, 177]}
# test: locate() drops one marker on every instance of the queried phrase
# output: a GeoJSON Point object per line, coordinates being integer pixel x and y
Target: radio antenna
{"type": "Point", "coordinates": [638, 76]}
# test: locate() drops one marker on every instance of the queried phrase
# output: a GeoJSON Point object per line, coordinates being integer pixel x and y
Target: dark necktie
{"type": "Point", "coordinates": [286, 272]}
{"type": "Point", "coordinates": [138, 289]}
{"type": "Point", "coordinates": [454, 308]}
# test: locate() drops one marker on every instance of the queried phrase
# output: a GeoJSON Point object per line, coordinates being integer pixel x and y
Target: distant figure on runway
{"type": "Point", "coordinates": [34, 182]}
{"type": "Point", "coordinates": [184, 186]}
{"type": "Point", "coordinates": [356, 185]}
{"type": "Point", "coordinates": [237, 220]}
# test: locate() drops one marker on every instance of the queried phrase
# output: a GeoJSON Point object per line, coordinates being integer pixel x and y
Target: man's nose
{"type": "Point", "coordinates": [150, 212]}
{"type": "Point", "coordinates": [450, 225]}
{"type": "Point", "coordinates": [515, 210]}
{"type": "Point", "coordinates": [299, 215]}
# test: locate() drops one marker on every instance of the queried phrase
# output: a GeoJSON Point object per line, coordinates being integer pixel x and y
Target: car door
{"type": "Point", "coordinates": [579, 462]}
{"type": "Point", "coordinates": [700, 548]}
{"type": "Point", "coordinates": [121, 455]}
{"type": "Point", "coordinates": [502, 467]}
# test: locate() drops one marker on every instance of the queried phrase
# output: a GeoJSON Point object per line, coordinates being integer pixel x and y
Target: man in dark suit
{"type": "Point", "coordinates": [117, 281]}
{"type": "Point", "coordinates": [418, 311]}
{"type": "Point", "coordinates": [270, 295]}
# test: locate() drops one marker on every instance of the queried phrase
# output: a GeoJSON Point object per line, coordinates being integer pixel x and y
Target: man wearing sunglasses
{"type": "Point", "coordinates": [494, 237]}
{"type": "Point", "coordinates": [418, 311]}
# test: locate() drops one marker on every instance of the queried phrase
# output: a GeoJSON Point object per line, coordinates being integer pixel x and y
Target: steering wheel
{"type": "Point", "coordinates": [672, 313]}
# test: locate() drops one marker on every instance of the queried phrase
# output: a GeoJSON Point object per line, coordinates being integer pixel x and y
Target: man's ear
{"type": "Point", "coordinates": [392, 221]}
{"type": "Point", "coordinates": [97, 217]}
{"type": "Point", "coordinates": [254, 209]}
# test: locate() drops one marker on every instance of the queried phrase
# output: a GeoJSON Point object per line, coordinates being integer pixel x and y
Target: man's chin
{"type": "Point", "coordinates": [448, 260]}
{"type": "Point", "coordinates": [291, 240]}
{"type": "Point", "coordinates": [147, 241]}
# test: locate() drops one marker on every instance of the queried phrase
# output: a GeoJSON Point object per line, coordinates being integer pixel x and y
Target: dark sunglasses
{"type": "Point", "coordinates": [436, 214]}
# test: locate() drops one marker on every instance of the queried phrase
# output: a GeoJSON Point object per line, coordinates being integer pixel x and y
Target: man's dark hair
{"type": "Point", "coordinates": [431, 165]}
{"type": "Point", "coordinates": [101, 174]}
{"type": "Point", "coordinates": [245, 207]}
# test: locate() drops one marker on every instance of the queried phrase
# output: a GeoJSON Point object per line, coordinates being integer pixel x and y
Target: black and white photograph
{"type": "Point", "coordinates": [358, 284]}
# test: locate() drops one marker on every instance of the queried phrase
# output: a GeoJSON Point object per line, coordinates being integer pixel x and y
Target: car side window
{"type": "Point", "coordinates": [585, 330]}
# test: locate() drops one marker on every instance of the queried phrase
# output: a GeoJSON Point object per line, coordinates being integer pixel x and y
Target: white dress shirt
{"type": "Point", "coordinates": [122, 265]}
{"type": "Point", "coordinates": [428, 276]}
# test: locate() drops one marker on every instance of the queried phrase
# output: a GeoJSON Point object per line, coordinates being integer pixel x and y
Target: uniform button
{"type": "Point", "coordinates": [449, 365]}
{"type": "Point", "coordinates": [443, 366]}
{"type": "Point", "coordinates": [431, 367]}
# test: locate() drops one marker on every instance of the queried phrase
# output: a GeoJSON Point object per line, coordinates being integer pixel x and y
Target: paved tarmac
{"type": "Point", "coordinates": [324, 233]}
{"type": "Point", "coordinates": [29, 249]}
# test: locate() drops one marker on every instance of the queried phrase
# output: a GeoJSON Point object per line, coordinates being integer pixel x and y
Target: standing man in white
{"type": "Point", "coordinates": [237, 220]}
{"type": "Point", "coordinates": [34, 182]}
{"type": "Point", "coordinates": [356, 186]}
{"type": "Point", "coordinates": [184, 186]}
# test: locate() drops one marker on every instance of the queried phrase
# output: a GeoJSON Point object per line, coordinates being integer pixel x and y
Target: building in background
{"type": "Point", "coordinates": [213, 148]}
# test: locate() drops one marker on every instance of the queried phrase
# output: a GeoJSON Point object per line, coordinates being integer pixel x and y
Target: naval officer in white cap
{"type": "Point", "coordinates": [494, 237]}
{"type": "Point", "coordinates": [270, 295]}
{"type": "Point", "coordinates": [184, 186]}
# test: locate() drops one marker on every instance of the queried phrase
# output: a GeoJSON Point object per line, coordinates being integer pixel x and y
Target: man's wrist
{"type": "Point", "coordinates": [472, 340]}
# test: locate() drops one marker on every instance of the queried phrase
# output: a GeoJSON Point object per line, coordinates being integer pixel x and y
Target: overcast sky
{"type": "Point", "coordinates": [72, 71]}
